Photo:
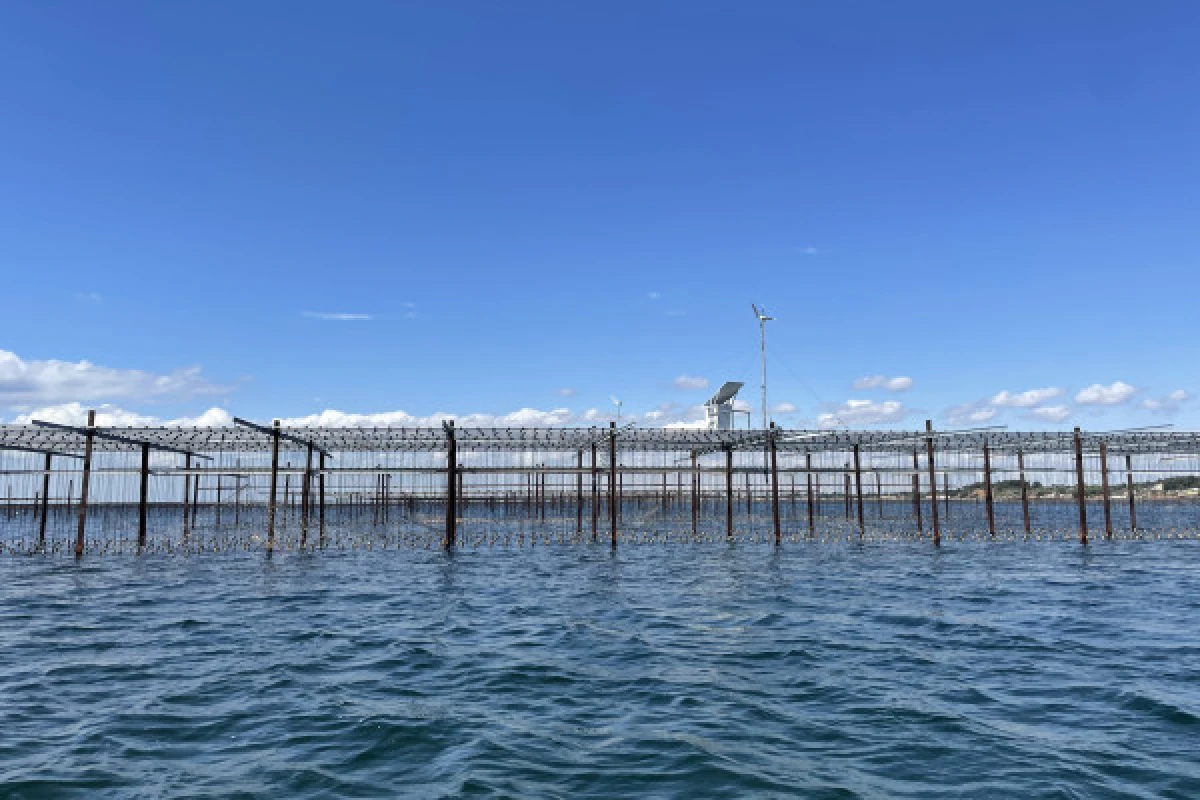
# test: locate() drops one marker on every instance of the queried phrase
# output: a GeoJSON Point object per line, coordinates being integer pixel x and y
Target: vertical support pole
{"type": "Point", "coordinates": [143, 495]}
{"type": "Point", "coordinates": [451, 485]}
{"type": "Point", "coordinates": [916, 492]}
{"type": "Point", "coordinates": [321, 489]}
{"type": "Point", "coordinates": [695, 493]}
{"type": "Point", "coordinates": [1080, 488]}
{"type": "Point", "coordinates": [989, 500]}
{"type": "Point", "coordinates": [1129, 488]}
{"type": "Point", "coordinates": [846, 489]}
{"type": "Point", "coordinates": [812, 526]}
{"type": "Point", "coordinates": [612, 481]}
{"type": "Point", "coordinates": [195, 497]}
{"type": "Point", "coordinates": [729, 492]}
{"type": "Point", "coordinates": [271, 495]}
{"type": "Point", "coordinates": [1104, 486]}
{"type": "Point", "coordinates": [862, 523]}
{"type": "Point", "coordinates": [305, 495]}
{"type": "Point", "coordinates": [933, 504]}
{"type": "Point", "coordinates": [775, 488]}
{"type": "Point", "coordinates": [595, 495]}
{"type": "Point", "coordinates": [579, 494]}
{"type": "Point", "coordinates": [879, 492]}
{"type": "Point", "coordinates": [187, 489]}
{"type": "Point", "coordinates": [1024, 490]}
{"type": "Point", "coordinates": [217, 506]}
{"type": "Point", "coordinates": [84, 481]}
{"type": "Point", "coordinates": [946, 493]}
{"type": "Point", "coordinates": [45, 503]}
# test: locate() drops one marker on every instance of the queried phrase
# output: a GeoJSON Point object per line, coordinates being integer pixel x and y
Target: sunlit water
{"type": "Point", "coordinates": [817, 669]}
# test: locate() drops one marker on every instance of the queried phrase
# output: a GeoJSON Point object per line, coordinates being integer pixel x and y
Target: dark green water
{"type": "Point", "coordinates": [891, 670]}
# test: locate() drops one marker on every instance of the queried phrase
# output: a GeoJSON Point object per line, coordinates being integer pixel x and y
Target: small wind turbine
{"type": "Point", "coordinates": [761, 316]}
{"type": "Point", "coordinates": [616, 403]}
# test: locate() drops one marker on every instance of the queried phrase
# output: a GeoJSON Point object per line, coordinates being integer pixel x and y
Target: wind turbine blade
{"type": "Point", "coordinates": [756, 314]}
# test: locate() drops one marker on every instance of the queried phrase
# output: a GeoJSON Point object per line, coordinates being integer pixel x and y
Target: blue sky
{"type": "Point", "coordinates": [521, 199]}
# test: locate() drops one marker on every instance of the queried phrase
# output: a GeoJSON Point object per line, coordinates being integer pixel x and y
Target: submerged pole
{"type": "Point", "coordinates": [45, 503]}
{"type": "Point", "coordinates": [775, 488]}
{"type": "Point", "coordinates": [812, 527]}
{"type": "Point", "coordinates": [143, 495]}
{"type": "Point", "coordinates": [1080, 488]}
{"type": "Point", "coordinates": [1129, 487]}
{"type": "Point", "coordinates": [989, 500]}
{"type": "Point", "coordinates": [1024, 490]}
{"type": "Point", "coordinates": [271, 496]}
{"type": "Point", "coordinates": [862, 523]}
{"type": "Point", "coordinates": [729, 492]}
{"type": "Point", "coordinates": [933, 505]}
{"type": "Point", "coordinates": [84, 480]}
{"type": "Point", "coordinates": [1104, 486]}
{"type": "Point", "coordinates": [451, 485]}
{"type": "Point", "coordinates": [612, 481]}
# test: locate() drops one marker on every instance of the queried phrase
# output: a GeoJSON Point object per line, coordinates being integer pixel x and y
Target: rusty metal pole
{"type": "Point", "coordinates": [451, 485]}
{"type": "Point", "coordinates": [613, 488]}
{"type": "Point", "coordinates": [775, 488]}
{"type": "Point", "coordinates": [1024, 490]}
{"type": "Point", "coordinates": [84, 480]}
{"type": "Point", "coordinates": [862, 522]}
{"type": "Point", "coordinates": [808, 473]}
{"type": "Point", "coordinates": [729, 492]}
{"type": "Point", "coordinates": [1080, 488]}
{"type": "Point", "coordinates": [989, 500]}
{"type": "Point", "coordinates": [1129, 488]}
{"type": "Point", "coordinates": [143, 495]}
{"type": "Point", "coordinates": [271, 496]}
{"type": "Point", "coordinates": [45, 503]}
{"type": "Point", "coordinates": [595, 495]}
{"type": "Point", "coordinates": [1108, 530]}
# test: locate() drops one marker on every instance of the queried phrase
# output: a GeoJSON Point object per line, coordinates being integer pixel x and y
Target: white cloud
{"type": "Point", "coordinates": [1026, 399]}
{"type": "Point", "coordinates": [1050, 413]}
{"type": "Point", "coordinates": [1100, 395]}
{"type": "Point", "coordinates": [27, 383]}
{"type": "Point", "coordinates": [340, 316]}
{"type": "Point", "coordinates": [108, 416]}
{"type": "Point", "coordinates": [1166, 405]}
{"type": "Point", "coordinates": [900, 383]}
{"type": "Point", "coordinates": [653, 295]}
{"type": "Point", "coordinates": [970, 414]}
{"type": "Point", "coordinates": [690, 383]}
{"type": "Point", "coordinates": [863, 412]}
{"type": "Point", "coordinates": [566, 391]}
{"type": "Point", "coordinates": [784, 408]}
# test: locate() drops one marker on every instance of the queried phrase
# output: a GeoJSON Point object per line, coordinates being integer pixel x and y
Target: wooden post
{"type": "Point", "coordinates": [1108, 531]}
{"type": "Point", "coordinates": [143, 495]}
{"type": "Point", "coordinates": [45, 503]}
{"type": "Point", "coordinates": [1129, 488]}
{"type": "Point", "coordinates": [612, 481]}
{"type": "Point", "coordinates": [862, 523]}
{"type": "Point", "coordinates": [933, 505]}
{"type": "Point", "coordinates": [451, 485]}
{"type": "Point", "coordinates": [695, 493]}
{"type": "Point", "coordinates": [595, 495]}
{"type": "Point", "coordinates": [808, 473]}
{"type": "Point", "coordinates": [274, 480]}
{"type": "Point", "coordinates": [1024, 490]}
{"type": "Point", "coordinates": [729, 492]}
{"type": "Point", "coordinates": [187, 488]}
{"type": "Point", "coordinates": [987, 490]}
{"type": "Point", "coordinates": [321, 489]}
{"type": "Point", "coordinates": [85, 479]}
{"type": "Point", "coordinates": [775, 488]}
{"type": "Point", "coordinates": [1080, 488]}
